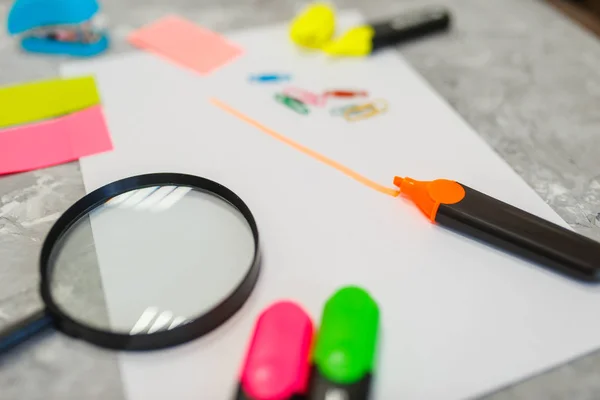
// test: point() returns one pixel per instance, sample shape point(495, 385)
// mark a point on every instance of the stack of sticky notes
point(50, 122)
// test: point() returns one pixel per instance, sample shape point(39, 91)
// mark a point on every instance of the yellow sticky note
point(35, 101)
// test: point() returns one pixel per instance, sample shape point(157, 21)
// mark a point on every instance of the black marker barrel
point(365, 39)
point(472, 213)
point(409, 26)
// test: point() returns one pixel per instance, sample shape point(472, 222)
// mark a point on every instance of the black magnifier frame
point(197, 327)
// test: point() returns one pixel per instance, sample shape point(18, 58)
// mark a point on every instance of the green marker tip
point(347, 340)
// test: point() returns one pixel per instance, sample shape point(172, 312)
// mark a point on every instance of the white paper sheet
point(459, 319)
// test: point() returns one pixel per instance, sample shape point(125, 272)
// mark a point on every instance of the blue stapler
point(57, 27)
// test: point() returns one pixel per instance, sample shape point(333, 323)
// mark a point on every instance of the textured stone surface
point(522, 75)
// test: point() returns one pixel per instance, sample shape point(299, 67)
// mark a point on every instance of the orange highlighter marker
point(472, 213)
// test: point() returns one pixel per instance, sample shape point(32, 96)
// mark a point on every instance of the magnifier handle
point(24, 329)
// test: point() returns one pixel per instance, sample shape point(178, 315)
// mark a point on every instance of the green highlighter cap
point(346, 343)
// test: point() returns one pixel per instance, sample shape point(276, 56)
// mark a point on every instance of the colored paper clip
point(305, 96)
point(365, 111)
point(346, 93)
point(339, 111)
point(292, 103)
point(270, 78)
point(57, 27)
point(277, 364)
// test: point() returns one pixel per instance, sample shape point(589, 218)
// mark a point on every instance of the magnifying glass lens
point(150, 260)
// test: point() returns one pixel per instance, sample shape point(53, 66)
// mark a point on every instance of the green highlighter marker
point(344, 353)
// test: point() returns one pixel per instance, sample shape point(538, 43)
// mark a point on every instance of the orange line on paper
point(303, 149)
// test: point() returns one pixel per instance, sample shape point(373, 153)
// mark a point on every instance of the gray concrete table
point(526, 78)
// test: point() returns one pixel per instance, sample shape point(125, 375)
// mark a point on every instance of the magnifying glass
point(146, 262)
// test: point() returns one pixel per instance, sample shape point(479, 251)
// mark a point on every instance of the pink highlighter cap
point(277, 364)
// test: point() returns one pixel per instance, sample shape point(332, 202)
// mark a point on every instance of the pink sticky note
point(185, 43)
point(53, 142)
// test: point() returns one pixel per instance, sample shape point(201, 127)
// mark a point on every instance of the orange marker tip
point(398, 181)
point(428, 195)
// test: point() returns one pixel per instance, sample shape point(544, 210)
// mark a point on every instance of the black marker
point(472, 213)
point(365, 39)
